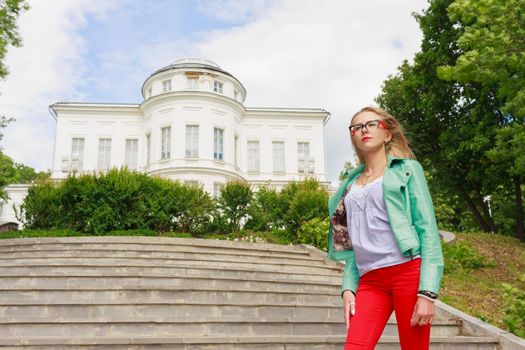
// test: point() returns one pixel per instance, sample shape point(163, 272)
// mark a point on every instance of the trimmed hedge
point(123, 200)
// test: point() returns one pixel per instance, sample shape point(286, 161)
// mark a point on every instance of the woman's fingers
point(423, 312)
point(415, 317)
point(347, 319)
point(348, 307)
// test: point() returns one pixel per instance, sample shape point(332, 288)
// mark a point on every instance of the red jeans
point(380, 291)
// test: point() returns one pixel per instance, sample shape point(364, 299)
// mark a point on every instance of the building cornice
point(184, 96)
point(94, 107)
point(202, 170)
point(274, 112)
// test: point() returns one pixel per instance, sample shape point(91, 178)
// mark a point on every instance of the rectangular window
point(165, 152)
point(217, 86)
point(149, 92)
point(77, 154)
point(278, 157)
point(236, 149)
point(104, 153)
point(253, 156)
point(303, 154)
point(192, 141)
point(193, 83)
point(132, 153)
point(235, 95)
point(166, 85)
point(148, 149)
point(218, 143)
point(217, 187)
point(303, 150)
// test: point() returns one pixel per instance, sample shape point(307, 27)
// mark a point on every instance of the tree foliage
point(9, 36)
point(13, 173)
point(493, 45)
point(266, 210)
point(234, 202)
point(451, 125)
point(117, 200)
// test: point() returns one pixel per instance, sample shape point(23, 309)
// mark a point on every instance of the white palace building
point(193, 127)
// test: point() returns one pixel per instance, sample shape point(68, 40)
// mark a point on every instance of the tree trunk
point(485, 208)
point(519, 207)
point(472, 207)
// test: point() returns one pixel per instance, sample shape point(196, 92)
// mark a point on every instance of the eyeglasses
point(370, 126)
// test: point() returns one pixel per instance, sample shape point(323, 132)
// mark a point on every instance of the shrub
point(514, 299)
point(117, 200)
point(195, 211)
point(315, 232)
point(98, 203)
point(460, 256)
point(42, 207)
point(305, 200)
point(265, 211)
point(234, 201)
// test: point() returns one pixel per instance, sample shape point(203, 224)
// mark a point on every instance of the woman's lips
point(366, 138)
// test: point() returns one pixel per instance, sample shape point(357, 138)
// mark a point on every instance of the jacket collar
point(359, 169)
point(392, 159)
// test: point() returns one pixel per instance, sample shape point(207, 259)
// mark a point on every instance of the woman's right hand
point(348, 306)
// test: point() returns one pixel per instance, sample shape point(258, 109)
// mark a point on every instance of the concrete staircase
point(165, 293)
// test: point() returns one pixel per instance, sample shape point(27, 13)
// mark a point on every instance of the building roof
point(193, 63)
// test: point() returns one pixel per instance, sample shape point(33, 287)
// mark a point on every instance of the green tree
point(450, 126)
point(301, 202)
point(234, 202)
point(494, 55)
point(10, 10)
point(7, 172)
point(266, 210)
point(509, 153)
point(493, 48)
point(12, 173)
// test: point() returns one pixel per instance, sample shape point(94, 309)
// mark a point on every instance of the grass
point(71, 233)
point(476, 265)
point(478, 291)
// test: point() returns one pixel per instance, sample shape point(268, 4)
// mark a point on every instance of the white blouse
point(370, 232)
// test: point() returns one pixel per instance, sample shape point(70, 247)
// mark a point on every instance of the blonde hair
point(398, 145)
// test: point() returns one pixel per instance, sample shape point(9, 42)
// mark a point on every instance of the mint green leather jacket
point(411, 216)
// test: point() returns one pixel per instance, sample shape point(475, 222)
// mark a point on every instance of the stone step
point(119, 295)
point(115, 247)
point(182, 311)
point(221, 342)
point(161, 283)
point(162, 255)
point(235, 325)
point(190, 243)
point(144, 269)
point(248, 301)
point(255, 266)
point(166, 293)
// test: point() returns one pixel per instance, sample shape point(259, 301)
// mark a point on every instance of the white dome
point(196, 61)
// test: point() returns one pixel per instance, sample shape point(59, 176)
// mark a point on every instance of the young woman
point(383, 225)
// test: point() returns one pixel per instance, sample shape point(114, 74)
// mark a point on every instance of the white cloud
point(235, 10)
point(332, 54)
point(48, 67)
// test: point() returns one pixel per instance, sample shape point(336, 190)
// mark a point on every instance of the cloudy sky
point(330, 54)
